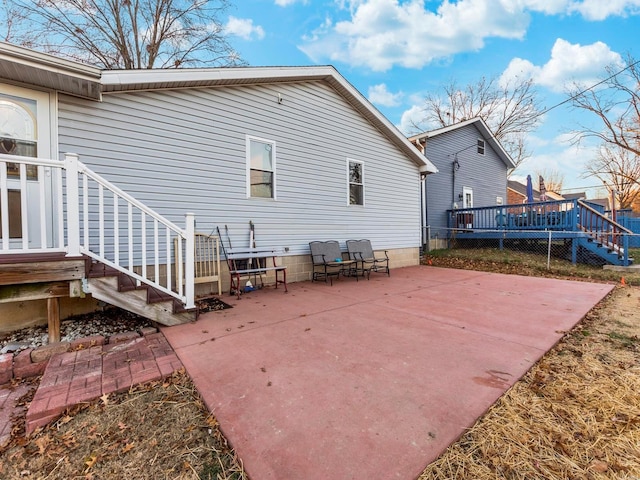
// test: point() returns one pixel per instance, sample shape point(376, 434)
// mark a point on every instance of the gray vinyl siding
point(485, 174)
point(183, 151)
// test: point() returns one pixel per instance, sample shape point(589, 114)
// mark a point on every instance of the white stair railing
point(28, 205)
point(80, 213)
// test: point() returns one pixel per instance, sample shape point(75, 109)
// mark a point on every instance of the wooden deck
point(41, 276)
point(573, 221)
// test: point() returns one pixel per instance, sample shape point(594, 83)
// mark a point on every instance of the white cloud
point(381, 34)
point(244, 28)
point(384, 33)
point(379, 95)
point(286, 3)
point(569, 63)
point(410, 118)
point(569, 160)
point(601, 9)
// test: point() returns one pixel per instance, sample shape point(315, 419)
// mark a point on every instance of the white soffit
point(28, 67)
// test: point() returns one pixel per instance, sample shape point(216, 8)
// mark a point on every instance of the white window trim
point(47, 119)
point(349, 204)
point(484, 146)
point(248, 164)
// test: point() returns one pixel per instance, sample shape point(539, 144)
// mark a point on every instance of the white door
point(25, 131)
point(467, 197)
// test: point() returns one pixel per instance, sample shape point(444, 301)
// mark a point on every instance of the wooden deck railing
point(557, 215)
point(63, 206)
point(602, 228)
point(552, 215)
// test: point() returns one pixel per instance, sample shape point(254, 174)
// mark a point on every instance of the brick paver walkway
point(75, 377)
point(9, 397)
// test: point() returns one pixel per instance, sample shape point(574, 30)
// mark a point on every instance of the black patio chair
point(327, 261)
point(362, 252)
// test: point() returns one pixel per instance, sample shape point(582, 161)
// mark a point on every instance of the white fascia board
point(48, 62)
point(48, 71)
point(126, 78)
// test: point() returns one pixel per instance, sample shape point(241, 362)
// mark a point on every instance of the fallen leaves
point(42, 443)
point(599, 466)
point(156, 430)
point(90, 461)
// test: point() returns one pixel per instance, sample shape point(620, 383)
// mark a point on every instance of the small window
point(356, 182)
point(261, 168)
point(481, 146)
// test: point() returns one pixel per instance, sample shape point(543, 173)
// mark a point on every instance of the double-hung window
point(261, 168)
point(355, 179)
point(481, 146)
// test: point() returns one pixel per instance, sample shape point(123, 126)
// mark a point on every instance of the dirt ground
point(575, 415)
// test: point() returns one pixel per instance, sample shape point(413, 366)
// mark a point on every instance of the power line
point(576, 95)
point(602, 185)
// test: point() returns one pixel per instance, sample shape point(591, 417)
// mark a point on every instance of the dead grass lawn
point(160, 430)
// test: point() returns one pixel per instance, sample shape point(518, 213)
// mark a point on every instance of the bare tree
point(131, 34)
point(511, 110)
point(619, 170)
point(616, 103)
point(13, 17)
point(553, 179)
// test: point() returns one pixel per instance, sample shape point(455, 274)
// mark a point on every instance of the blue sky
point(396, 51)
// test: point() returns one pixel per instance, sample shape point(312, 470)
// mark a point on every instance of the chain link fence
point(550, 245)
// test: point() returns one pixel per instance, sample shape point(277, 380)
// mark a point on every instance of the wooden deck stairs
point(609, 252)
point(99, 240)
point(116, 288)
point(602, 235)
point(51, 276)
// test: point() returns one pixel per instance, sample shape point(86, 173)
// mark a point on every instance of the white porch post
point(73, 205)
point(189, 267)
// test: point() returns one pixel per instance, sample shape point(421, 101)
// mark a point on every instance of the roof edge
point(51, 62)
point(56, 73)
point(481, 125)
point(90, 82)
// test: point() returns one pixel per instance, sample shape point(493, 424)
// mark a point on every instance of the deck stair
point(94, 239)
point(610, 253)
point(116, 288)
point(602, 236)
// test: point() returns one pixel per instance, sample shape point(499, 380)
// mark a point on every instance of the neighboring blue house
point(472, 172)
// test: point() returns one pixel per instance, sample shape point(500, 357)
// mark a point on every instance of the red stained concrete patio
point(370, 379)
